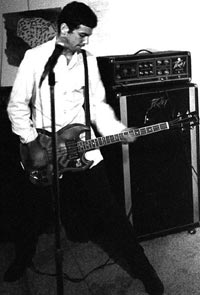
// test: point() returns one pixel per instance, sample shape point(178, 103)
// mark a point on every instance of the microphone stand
point(56, 192)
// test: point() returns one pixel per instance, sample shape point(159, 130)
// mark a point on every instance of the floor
point(176, 257)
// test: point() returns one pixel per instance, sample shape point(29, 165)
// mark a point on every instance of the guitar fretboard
point(95, 143)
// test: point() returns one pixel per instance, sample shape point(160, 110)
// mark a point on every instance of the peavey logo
point(179, 64)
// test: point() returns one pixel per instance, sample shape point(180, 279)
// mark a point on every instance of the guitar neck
point(91, 144)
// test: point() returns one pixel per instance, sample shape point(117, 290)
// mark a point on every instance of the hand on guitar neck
point(128, 137)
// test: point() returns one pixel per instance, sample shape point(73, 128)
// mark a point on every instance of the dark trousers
point(90, 212)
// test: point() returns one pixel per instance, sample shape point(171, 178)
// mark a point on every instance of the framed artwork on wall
point(22, 31)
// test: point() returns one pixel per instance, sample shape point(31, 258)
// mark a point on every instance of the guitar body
point(69, 157)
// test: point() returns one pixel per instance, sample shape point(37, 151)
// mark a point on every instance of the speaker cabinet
point(156, 177)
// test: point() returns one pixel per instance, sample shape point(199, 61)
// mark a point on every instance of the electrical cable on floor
point(73, 279)
point(67, 277)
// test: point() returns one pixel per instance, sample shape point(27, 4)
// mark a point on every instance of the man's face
point(77, 38)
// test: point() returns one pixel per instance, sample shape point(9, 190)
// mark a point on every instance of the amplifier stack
point(155, 178)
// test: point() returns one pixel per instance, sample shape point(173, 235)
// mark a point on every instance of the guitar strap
point(86, 95)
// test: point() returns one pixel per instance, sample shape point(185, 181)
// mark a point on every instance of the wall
point(126, 27)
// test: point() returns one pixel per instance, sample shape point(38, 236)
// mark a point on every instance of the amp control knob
point(159, 73)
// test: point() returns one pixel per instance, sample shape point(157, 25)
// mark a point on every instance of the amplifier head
point(145, 68)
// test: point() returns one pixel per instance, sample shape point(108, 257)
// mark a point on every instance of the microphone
point(51, 62)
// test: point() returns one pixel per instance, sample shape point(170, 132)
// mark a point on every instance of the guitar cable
point(73, 279)
point(67, 277)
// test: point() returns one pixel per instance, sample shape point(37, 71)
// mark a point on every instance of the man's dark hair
point(75, 14)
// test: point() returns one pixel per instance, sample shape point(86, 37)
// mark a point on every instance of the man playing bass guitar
point(89, 211)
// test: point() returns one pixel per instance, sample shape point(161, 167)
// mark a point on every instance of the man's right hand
point(38, 154)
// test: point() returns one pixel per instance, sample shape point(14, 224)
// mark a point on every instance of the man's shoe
point(152, 282)
point(15, 271)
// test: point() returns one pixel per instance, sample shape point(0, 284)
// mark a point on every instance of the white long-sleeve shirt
point(69, 97)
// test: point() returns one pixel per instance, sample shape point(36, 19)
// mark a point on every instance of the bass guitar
point(71, 150)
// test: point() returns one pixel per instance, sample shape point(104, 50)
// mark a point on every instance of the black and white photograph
point(99, 154)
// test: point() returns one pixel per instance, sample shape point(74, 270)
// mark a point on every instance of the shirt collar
point(76, 58)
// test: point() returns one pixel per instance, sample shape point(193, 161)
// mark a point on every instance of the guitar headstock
point(189, 119)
